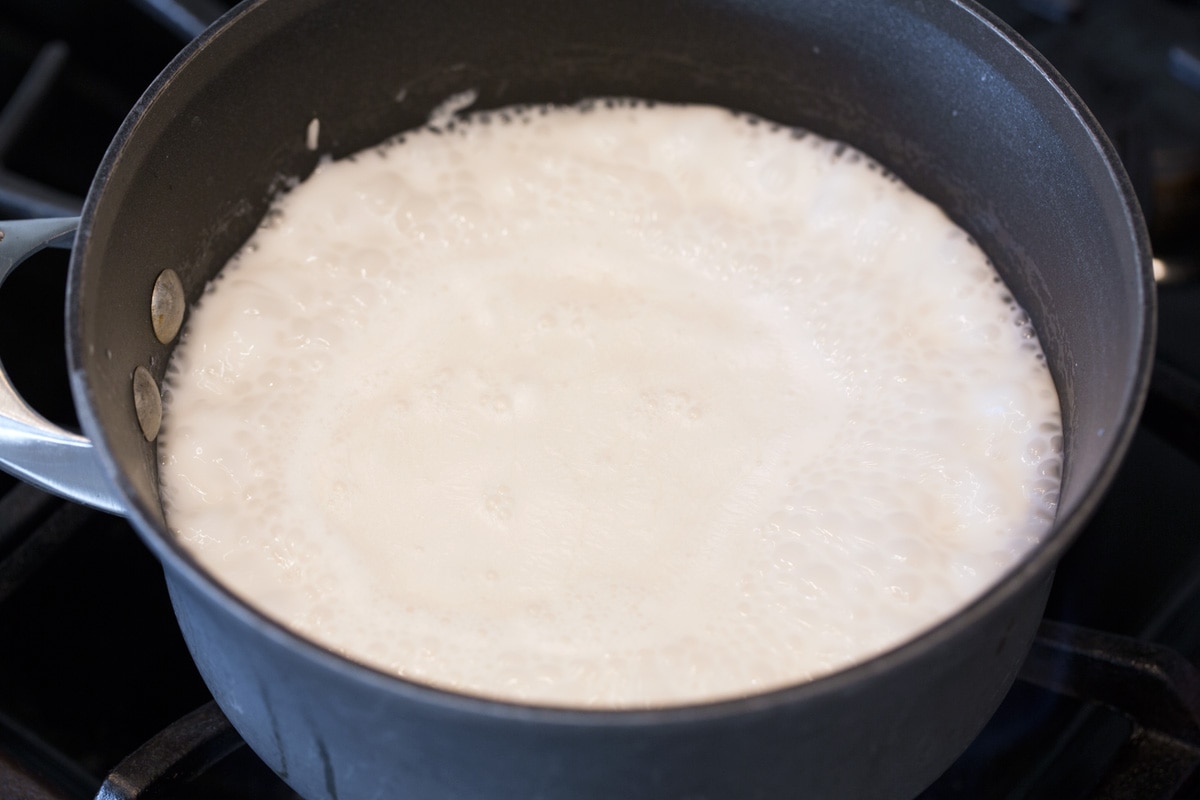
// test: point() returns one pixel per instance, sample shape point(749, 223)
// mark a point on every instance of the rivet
point(147, 402)
point(167, 305)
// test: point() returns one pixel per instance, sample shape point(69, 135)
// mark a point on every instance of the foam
point(616, 405)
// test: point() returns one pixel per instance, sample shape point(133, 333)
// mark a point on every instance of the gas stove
point(99, 698)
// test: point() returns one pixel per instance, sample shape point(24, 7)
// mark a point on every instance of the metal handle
point(31, 447)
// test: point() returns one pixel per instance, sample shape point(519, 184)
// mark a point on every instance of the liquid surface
point(611, 406)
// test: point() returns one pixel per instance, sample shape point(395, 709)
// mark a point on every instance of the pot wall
point(338, 731)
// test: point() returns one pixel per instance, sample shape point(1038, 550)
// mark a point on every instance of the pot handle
point(31, 447)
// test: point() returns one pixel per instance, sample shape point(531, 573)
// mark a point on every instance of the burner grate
point(19, 195)
point(199, 756)
point(1154, 686)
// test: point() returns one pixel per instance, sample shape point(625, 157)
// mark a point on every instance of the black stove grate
point(98, 694)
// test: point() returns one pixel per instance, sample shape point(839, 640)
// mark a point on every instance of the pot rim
point(1040, 561)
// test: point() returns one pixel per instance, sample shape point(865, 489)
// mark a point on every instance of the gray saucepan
point(938, 91)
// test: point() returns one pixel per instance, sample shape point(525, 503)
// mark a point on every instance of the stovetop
point(98, 696)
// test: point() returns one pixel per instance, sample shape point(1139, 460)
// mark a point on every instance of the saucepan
point(939, 91)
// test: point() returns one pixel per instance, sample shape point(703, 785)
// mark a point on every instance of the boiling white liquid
point(622, 407)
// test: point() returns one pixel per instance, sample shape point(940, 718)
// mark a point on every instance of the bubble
point(907, 587)
point(500, 504)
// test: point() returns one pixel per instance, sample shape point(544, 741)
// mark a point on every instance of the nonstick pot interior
point(934, 95)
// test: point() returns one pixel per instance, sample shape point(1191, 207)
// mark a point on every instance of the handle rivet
point(147, 402)
point(167, 305)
